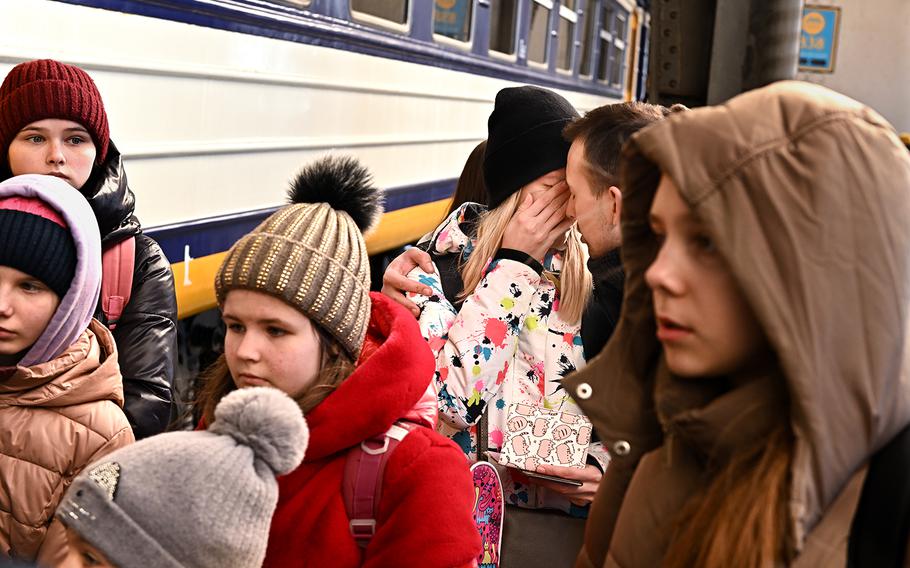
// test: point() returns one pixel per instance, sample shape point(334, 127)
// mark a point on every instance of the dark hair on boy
point(605, 129)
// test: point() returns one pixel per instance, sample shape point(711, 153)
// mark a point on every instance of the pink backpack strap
point(117, 264)
point(362, 483)
point(426, 411)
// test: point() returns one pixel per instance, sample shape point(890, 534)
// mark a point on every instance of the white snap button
point(584, 391)
point(622, 448)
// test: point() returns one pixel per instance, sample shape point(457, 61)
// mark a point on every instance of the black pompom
point(344, 184)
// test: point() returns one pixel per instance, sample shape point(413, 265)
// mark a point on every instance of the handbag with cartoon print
point(540, 436)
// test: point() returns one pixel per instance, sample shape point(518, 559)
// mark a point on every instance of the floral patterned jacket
point(506, 344)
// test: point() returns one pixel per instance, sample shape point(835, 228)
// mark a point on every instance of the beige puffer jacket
point(55, 418)
point(806, 194)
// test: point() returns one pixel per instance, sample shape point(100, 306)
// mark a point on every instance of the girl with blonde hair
point(503, 309)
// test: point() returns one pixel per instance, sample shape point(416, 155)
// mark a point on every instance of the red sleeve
point(425, 516)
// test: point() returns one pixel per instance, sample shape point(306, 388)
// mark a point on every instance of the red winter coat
point(424, 515)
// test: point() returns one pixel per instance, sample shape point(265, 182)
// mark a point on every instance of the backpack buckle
point(375, 451)
point(362, 529)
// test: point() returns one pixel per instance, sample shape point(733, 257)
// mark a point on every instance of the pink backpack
point(117, 264)
point(361, 486)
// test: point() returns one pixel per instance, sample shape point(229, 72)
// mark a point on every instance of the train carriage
point(215, 103)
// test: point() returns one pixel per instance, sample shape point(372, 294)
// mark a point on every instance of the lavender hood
point(76, 308)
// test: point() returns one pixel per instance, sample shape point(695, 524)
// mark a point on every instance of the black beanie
point(524, 139)
point(33, 240)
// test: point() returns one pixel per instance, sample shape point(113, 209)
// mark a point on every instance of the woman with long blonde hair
point(503, 309)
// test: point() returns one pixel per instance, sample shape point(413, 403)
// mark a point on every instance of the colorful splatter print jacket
point(507, 343)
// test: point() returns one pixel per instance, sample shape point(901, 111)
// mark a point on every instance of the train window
point(539, 32)
point(393, 11)
point(618, 58)
point(568, 18)
point(619, 28)
point(503, 14)
point(452, 19)
point(612, 36)
point(603, 66)
point(605, 38)
point(588, 41)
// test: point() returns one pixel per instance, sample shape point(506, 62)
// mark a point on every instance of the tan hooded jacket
point(807, 195)
point(55, 418)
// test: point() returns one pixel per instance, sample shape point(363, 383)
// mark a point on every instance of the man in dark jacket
point(592, 173)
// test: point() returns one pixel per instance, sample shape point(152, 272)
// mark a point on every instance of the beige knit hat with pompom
point(311, 254)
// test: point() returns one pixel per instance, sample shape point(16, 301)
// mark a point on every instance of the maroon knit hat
point(44, 88)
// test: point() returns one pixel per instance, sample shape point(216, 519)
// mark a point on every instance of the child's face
point(82, 554)
point(56, 147)
point(703, 321)
point(26, 307)
point(269, 343)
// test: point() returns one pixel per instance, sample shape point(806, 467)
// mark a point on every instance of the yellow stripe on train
point(194, 280)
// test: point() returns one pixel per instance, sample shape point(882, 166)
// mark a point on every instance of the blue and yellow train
point(216, 103)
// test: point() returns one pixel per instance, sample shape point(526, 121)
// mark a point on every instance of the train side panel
point(212, 123)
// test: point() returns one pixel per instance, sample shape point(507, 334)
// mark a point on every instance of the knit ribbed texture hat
point(193, 499)
point(44, 88)
point(524, 139)
point(83, 284)
point(312, 254)
point(34, 239)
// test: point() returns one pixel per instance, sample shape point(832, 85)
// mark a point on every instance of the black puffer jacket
point(602, 314)
point(146, 334)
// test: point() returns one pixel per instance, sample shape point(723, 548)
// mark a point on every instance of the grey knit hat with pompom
point(192, 499)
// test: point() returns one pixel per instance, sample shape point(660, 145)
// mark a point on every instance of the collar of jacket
point(394, 371)
point(112, 200)
point(607, 270)
point(714, 418)
point(86, 372)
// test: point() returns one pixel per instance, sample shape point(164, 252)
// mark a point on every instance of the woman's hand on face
point(589, 475)
point(539, 220)
point(395, 281)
